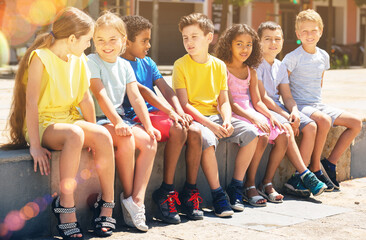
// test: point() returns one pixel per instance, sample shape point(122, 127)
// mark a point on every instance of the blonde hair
point(70, 21)
point(308, 15)
point(109, 19)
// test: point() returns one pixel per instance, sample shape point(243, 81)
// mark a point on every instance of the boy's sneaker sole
point(321, 191)
point(289, 189)
point(225, 213)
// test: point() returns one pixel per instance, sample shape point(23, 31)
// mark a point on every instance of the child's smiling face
point(271, 42)
point(309, 33)
point(109, 43)
point(241, 47)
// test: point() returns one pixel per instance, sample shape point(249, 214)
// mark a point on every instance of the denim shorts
point(102, 120)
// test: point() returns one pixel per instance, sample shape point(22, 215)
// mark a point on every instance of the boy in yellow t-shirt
point(200, 82)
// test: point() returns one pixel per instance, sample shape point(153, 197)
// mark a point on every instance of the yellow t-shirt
point(203, 82)
point(63, 86)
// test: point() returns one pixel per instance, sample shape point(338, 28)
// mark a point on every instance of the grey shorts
point(279, 117)
point(309, 109)
point(304, 120)
point(243, 133)
point(103, 120)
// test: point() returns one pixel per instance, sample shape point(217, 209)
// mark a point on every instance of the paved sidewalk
point(336, 215)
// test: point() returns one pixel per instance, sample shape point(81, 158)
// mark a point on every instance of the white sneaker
point(137, 214)
point(126, 215)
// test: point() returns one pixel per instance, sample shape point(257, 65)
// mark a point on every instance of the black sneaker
point(324, 179)
point(295, 186)
point(332, 175)
point(235, 198)
point(166, 204)
point(191, 204)
point(221, 205)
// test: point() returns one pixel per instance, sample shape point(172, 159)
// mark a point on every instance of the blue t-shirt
point(272, 76)
point(146, 73)
point(114, 76)
point(306, 74)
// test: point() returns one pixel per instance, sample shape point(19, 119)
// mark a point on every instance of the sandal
point(253, 200)
point(100, 222)
point(272, 196)
point(65, 229)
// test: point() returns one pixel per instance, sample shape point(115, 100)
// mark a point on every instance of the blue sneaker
point(315, 186)
point(221, 205)
point(235, 198)
point(331, 174)
point(295, 186)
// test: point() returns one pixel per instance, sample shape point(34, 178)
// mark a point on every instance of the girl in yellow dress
point(51, 84)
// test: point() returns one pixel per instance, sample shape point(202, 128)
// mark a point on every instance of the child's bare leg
point(307, 142)
point(99, 139)
point(177, 138)
point(210, 168)
point(275, 157)
point(69, 139)
point(293, 152)
point(259, 149)
point(144, 163)
point(354, 126)
point(323, 123)
point(125, 159)
point(193, 153)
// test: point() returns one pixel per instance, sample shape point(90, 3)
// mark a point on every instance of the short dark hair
point(268, 25)
point(203, 22)
point(135, 25)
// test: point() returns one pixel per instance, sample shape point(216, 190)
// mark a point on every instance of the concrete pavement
point(335, 215)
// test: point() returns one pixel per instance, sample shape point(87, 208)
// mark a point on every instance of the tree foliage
point(360, 2)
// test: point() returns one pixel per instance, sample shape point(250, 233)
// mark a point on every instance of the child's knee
point(75, 135)
point(324, 122)
point(263, 140)
point(194, 135)
point(124, 144)
point(310, 129)
point(177, 131)
point(357, 124)
point(102, 136)
point(282, 141)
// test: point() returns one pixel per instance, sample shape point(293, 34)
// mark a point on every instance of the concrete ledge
point(20, 186)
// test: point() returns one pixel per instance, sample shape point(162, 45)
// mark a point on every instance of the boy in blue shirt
point(176, 127)
point(306, 66)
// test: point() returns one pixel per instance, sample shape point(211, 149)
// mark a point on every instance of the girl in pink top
point(239, 48)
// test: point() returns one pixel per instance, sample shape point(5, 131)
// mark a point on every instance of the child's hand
point(294, 120)
point(41, 157)
point(263, 126)
point(178, 119)
point(228, 127)
point(188, 118)
point(154, 133)
point(219, 131)
point(122, 129)
point(296, 130)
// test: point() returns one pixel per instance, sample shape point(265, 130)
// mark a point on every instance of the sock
point(318, 173)
point(216, 192)
point(331, 165)
point(302, 175)
point(167, 187)
point(236, 183)
point(190, 186)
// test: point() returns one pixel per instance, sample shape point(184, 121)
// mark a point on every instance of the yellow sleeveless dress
point(63, 86)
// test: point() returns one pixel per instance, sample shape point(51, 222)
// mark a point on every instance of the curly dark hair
point(223, 46)
point(135, 25)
